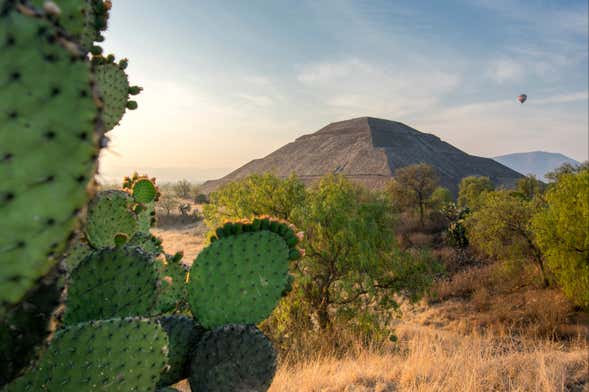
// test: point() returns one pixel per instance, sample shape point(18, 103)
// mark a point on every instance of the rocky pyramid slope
point(368, 151)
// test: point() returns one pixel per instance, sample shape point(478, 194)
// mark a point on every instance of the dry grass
point(187, 238)
point(432, 360)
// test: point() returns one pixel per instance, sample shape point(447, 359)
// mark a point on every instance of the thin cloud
point(563, 98)
point(505, 70)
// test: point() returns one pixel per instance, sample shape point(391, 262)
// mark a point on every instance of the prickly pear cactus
point(113, 85)
point(183, 335)
point(112, 282)
point(107, 355)
point(233, 358)
point(149, 243)
point(145, 194)
point(144, 191)
point(238, 278)
point(172, 295)
point(75, 254)
point(110, 213)
point(48, 146)
point(82, 19)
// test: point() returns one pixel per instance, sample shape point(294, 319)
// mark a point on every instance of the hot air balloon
point(522, 98)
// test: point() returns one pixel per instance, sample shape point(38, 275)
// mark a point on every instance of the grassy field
point(429, 359)
point(478, 334)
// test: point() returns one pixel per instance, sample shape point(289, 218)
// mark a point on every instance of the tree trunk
point(421, 212)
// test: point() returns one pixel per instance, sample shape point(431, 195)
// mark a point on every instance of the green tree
point(259, 194)
point(413, 186)
point(349, 252)
point(501, 228)
point(440, 197)
point(562, 231)
point(472, 189)
point(566, 168)
point(529, 187)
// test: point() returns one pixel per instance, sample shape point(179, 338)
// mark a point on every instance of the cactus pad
point(109, 214)
point(145, 217)
point(183, 336)
point(112, 282)
point(144, 191)
point(173, 284)
point(238, 279)
point(75, 254)
point(113, 84)
point(106, 355)
point(82, 19)
point(48, 147)
point(233, 358)
point(149, 243)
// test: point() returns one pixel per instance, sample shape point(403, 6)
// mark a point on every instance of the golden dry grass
point(433, 360)
point(187, 238)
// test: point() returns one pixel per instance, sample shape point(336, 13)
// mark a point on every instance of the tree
point(472, 189)
point(562, 232)
point(255, 195)
point(349, 252)
point(413, 186)
point(529, 187)
point(501, 228)
point(183, 189)
point(168, 203)
point(566, 168)
point(440, 197)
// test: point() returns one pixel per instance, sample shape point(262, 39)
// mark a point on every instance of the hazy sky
point(229, 81)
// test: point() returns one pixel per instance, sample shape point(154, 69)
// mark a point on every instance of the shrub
point(562, 232)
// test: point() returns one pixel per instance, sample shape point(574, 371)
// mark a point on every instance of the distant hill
point(368, 151)
point(536, 162)
point(196, 175)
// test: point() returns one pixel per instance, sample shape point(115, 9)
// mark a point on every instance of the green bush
point(562, 232)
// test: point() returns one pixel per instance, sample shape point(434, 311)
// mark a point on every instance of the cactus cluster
point(234, 283)
point(88, 298)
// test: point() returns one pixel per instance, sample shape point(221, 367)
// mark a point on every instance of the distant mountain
point(195, 175)
point(368, 151)
point(537, 163)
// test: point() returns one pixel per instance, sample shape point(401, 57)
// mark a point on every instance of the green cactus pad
point(233, 358)
point(75, 254)
point(112, 282)
point(238, 279)
point(146, 217)
point(109, 214)
point(48, 148)
point(82, 19)
point(106, 355)
point(173, 285)
point(149, 243)
point(144, 191)
point(113, 84)
point(258, 224)
point(183, 336)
